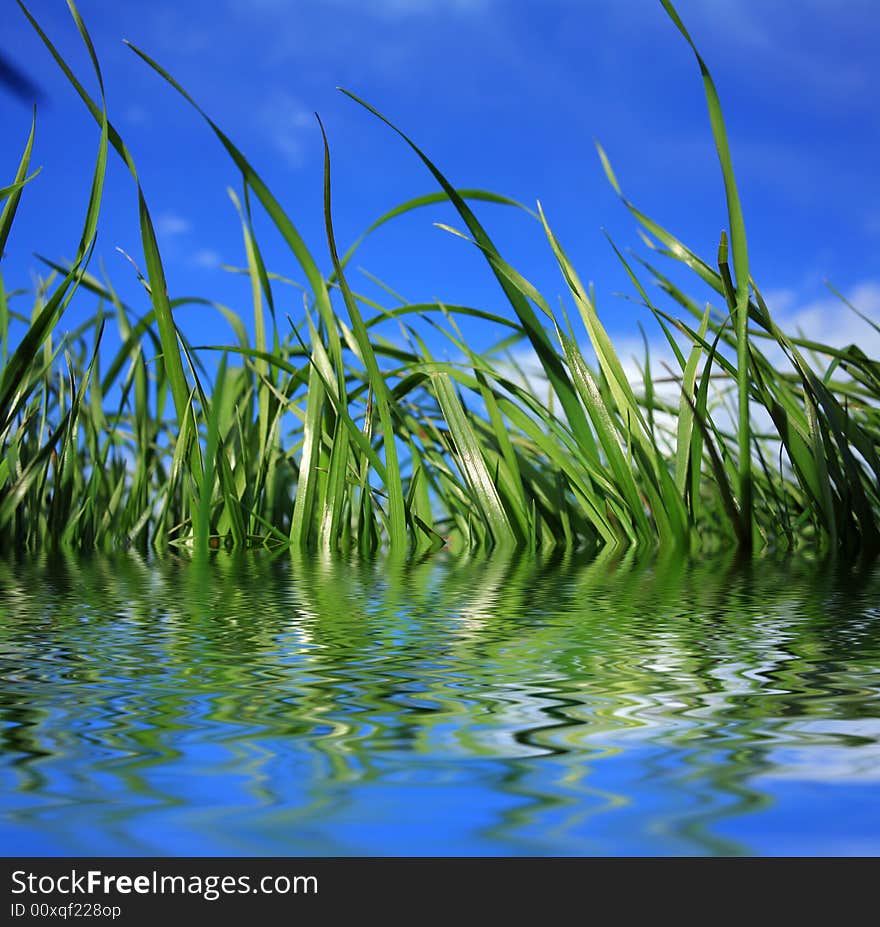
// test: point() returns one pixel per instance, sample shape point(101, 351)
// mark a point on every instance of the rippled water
point(500, 706)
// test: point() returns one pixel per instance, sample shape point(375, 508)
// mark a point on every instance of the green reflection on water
point(453, 705)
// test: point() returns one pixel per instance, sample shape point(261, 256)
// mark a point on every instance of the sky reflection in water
point(466, 707)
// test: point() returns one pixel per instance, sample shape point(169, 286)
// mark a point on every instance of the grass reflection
point(278, 704)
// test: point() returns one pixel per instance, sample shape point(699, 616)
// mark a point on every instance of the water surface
point(263, 706)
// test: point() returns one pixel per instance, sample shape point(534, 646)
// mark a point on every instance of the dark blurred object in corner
point(18, 83)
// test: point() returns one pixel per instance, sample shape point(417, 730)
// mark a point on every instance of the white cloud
point(830, 321)
point(827, 320)
point(170, 225)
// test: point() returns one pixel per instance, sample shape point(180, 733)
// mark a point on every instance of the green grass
point(322, 434)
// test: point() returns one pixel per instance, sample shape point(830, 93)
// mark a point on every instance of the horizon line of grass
point(324, 434)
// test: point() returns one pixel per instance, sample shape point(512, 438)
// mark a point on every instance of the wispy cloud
point(375, 8)
point(136, 116)
point(205, 258)
point(288, 125)
point(872, 223)
point(172, 225)
point(419, 7)
point(173, 27)
point(328, 38)
point(802, 55)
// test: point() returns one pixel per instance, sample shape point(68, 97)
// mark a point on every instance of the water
point(450, 707)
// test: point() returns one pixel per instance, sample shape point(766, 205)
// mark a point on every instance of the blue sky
point(507, 95)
